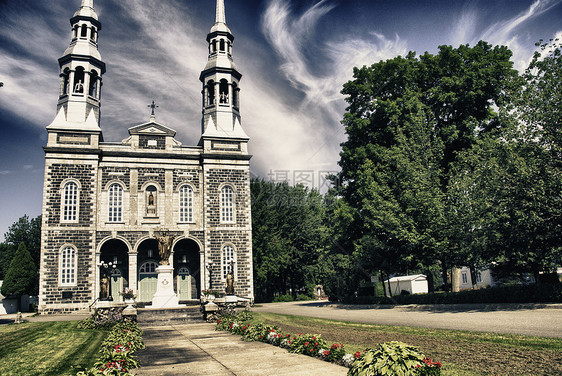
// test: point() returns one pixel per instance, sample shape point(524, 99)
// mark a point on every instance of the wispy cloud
point(505, 31)
point(316, 131)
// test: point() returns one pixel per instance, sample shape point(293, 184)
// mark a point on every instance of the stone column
point(133, 276)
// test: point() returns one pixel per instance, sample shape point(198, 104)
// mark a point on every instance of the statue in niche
point(230, 280)
point(150, 199)
point(230, 283)
point(104, 286)
point(165, 247)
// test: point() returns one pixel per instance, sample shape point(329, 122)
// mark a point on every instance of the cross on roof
point(153, 106)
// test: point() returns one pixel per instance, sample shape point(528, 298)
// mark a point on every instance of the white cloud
point(505, 32)
point(313, 131)
point(465, 27)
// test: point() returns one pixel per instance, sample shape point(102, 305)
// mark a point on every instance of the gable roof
point(152, 128)
point(405, 278)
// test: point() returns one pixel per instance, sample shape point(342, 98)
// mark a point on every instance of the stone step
point(167, 316)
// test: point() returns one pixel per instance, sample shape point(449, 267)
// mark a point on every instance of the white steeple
point(221, 80)
point(81, 70)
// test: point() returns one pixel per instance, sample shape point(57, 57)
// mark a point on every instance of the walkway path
point(197, 349)
point(544, 320)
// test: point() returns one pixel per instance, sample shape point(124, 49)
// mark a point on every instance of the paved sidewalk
point(197, 349)
point(31, 317)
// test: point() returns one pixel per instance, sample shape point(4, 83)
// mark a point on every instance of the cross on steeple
point(153, 106)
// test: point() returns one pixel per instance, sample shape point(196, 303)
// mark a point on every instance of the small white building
point(414, 284)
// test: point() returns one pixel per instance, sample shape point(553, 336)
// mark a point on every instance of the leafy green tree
point(407, 121)
point(21, 277)
point(508, 189)
point(23, 230)
point(288, 236)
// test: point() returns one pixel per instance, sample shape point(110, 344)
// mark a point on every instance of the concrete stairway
point(169, 316)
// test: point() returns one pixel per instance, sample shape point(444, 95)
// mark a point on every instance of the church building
point(105, 203)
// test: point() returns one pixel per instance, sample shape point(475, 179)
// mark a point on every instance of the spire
point(81, 70)
point(220, 19)
point(221, 84)
point(221, 14)
point(87, 10)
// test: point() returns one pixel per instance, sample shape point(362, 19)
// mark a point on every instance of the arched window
point(148, 267)
point(65, 81)
point(93, 34)
point(186, 204)
point(75, 32)
point(84, 32)
point(227, 260)
point(221, 45)
point(79, 80)
point(214, 44)
point(223, 88)
point(115, 206)
point(93, 90)
point(68, 266)
point(70, 202)
point(235, 95)
point(210, 93)
point(227, 204)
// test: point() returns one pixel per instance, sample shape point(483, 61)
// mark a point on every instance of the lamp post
point(105, 270)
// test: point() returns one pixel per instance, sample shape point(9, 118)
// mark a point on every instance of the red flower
point(357, 354)
point(326, 352)
point(306, 344)
point(311, 350)
point(314, 338)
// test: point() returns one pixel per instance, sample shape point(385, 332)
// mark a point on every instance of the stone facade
point(104, 203)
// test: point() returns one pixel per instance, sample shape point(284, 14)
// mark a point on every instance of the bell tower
point(81, 70)
point(221, 85)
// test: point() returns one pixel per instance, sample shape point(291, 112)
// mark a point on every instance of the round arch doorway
point(116, 253)
point(147, 261)
point(187, 270)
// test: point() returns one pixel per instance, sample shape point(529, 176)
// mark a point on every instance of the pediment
point(152, 128)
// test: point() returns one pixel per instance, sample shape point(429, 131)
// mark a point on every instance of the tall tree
point(28, 231)
point(407, 121)
point(22, 276)
point(288, 236)
point(509, 188)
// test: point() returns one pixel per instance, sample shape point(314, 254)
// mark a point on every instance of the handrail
point(90, 307)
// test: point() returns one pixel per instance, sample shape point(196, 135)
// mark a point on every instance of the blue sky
point(294, 55)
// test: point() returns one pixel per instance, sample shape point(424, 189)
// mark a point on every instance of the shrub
point(307, 344)
point(283, 298)
point(116, 351)
point(303, 297)
point(429, 368)
point(104, 319)
point(391, 358)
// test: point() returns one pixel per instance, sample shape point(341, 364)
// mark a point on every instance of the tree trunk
point(444, 276)
point(430, 284)
point(383, 286)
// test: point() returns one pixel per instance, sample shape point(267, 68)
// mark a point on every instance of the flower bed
point(392, 358)
point(117, 350)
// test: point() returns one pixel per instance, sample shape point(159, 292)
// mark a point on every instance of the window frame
point(189, 204)
point(68, 269)
point(65, 205)
point(115, 203)
point(226, 259)
point(231, 207)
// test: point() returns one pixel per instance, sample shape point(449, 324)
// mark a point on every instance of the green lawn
point(47, 348)
point(462, 353)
